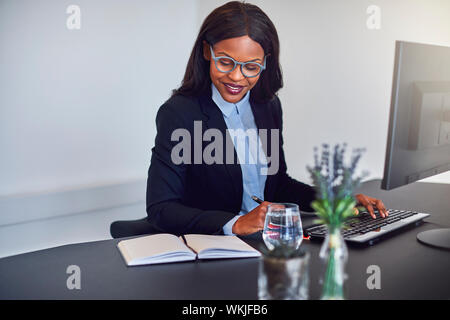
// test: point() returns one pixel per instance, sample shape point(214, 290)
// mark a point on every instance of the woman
point(230, 84)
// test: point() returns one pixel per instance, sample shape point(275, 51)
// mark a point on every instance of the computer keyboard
point(363, 229)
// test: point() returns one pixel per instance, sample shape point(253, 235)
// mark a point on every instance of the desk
point(409, 270)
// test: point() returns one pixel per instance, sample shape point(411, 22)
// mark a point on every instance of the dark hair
point(235, 19)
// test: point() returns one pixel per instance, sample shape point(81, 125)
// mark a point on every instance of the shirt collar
point(225, 106)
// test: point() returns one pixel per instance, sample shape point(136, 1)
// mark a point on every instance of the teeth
point(234, 88)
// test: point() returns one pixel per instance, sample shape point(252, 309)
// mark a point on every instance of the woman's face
point(233, 86)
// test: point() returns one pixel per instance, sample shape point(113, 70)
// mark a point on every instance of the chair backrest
point(121, 229)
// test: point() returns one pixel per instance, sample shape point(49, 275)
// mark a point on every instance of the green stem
point(328, 281)
point(332, 288)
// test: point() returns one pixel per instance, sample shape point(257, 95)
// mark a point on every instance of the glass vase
point(334, 255)
point(284, 278)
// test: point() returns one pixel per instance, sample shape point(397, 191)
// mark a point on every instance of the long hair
point(235, 19)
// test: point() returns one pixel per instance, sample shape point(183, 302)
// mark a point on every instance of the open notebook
point(165, 248)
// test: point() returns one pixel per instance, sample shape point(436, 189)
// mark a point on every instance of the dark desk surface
point(409, 270)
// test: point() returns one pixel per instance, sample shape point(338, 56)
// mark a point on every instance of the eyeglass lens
point(249, 69)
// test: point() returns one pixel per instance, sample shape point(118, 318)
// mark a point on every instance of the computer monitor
point(418, 144)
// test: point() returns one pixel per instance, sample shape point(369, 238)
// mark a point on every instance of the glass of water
point(282, 226)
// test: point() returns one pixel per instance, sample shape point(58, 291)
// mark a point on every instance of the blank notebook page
point(153, 245)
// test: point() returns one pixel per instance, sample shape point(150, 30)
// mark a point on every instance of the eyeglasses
point(227, 65)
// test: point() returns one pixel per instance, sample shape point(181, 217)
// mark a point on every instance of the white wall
point(77, 107)
point(338, 73)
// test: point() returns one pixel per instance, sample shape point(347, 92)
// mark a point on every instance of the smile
point(233, 89)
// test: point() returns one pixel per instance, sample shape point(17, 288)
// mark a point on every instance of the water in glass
point(282, 226)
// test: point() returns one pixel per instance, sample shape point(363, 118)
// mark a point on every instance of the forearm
point(176, 218)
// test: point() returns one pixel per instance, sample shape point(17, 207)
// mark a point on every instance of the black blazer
point(202, 198)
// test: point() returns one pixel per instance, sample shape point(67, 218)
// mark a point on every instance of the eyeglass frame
point(242, 64)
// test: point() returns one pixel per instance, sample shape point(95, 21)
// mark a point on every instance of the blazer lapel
point(264, 120)
point(261, 113)
point(215, 120)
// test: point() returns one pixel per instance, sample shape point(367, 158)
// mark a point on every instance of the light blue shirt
point(240, 116)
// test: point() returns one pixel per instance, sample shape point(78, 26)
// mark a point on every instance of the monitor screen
point(418, 143)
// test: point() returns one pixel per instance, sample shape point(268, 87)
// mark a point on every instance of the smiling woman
point(243, 32)
point(230, 85)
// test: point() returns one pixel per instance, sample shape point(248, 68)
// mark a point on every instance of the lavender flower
point(335, 183)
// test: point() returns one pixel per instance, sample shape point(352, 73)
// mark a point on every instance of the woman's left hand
point(370, 203)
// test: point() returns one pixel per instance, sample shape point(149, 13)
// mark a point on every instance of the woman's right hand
point(251, 222)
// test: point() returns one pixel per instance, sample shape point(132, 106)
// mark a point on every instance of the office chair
point(128, 228)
